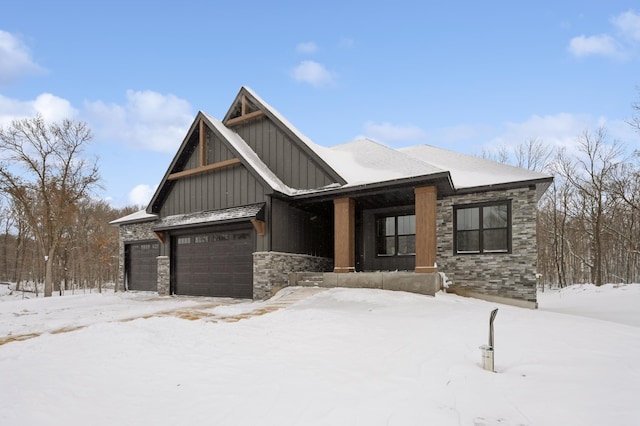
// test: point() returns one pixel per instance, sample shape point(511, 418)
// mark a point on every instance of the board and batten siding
point(217, 189)
point(288, 160)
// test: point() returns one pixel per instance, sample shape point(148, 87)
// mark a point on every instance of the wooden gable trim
point(202, 169)
point(244, 117)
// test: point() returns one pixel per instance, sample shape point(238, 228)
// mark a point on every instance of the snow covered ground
point(320, 357)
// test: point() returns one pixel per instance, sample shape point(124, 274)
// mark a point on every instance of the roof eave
point(441, 179)
point(541, 185)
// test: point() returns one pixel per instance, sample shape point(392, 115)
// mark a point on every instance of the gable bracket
point(260, 226)
point(202, 169)
point(243, 118)
point(161, 236)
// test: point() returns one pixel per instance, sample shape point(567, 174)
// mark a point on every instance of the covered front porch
point(394, 231)
point(383, 238)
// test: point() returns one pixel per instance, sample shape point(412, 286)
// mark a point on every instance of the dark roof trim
point(213, 217)
point(540, 184)
point(165, 183)
point(442, 180)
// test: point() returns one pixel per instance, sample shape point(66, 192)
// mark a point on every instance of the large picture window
point(396, 235)
point(483, 228)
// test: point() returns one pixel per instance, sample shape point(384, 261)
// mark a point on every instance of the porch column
point(344, 235)
point(426, 199)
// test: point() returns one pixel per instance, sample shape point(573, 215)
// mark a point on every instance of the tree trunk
point(48, 273)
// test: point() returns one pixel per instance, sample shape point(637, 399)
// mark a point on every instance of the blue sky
point(462, 75)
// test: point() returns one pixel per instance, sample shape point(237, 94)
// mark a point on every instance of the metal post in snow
point(487, 350)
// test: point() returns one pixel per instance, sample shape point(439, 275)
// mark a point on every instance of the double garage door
point(214, 263)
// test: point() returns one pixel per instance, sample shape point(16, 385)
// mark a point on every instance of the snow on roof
point(468, 171)
point(318, 149)
point(139, 216)
point(222, 215)
point(364, 161)
point(250, 156)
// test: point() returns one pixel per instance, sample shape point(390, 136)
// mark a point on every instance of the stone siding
point(271, 270)
point(509, 275)
point(164, 276)
point(130, 233)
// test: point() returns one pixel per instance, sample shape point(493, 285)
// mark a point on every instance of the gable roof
point(248, 156)
point(355, 164)
point(256, 103)
point(236, 144)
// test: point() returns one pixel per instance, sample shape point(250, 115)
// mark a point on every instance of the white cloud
point(141, 194)
point(148, 120)
point(313, 73)
point(629, 24)
point(621, 43)
point(15, 59)
point(50, 107)
point(308, 47)
point(602, 44)
point(392, 133)
point(559, 131)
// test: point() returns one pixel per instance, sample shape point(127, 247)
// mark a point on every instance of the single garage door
point(142, 267)
point(216, 264)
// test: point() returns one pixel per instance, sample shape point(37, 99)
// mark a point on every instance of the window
point(396, 235)
point(483, 228)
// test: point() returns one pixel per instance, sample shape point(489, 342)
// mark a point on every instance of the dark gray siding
point(218, 189)
point(216, 149)
point(366, 259)
point(298, 231)
point(282, 155)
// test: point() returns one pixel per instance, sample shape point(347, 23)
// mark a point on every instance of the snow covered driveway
point(333, 357)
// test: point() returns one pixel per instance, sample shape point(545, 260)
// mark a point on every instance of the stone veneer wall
point(164, 277)
point(271, 270)
point(503, 275)
point(130, 233)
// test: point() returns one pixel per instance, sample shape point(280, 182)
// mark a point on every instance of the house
point(249, 200)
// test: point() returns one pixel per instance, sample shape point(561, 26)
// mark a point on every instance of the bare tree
point(44, 173)
point(635, 120)
point(499, 154)
point(533, 154)
point(590, 174)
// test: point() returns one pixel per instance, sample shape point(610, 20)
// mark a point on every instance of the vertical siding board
point(211, 191)
point(286, 158)
point(237, 187)
point(252, 195)
point(280, 156)
point(273, 151)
